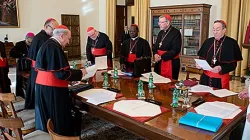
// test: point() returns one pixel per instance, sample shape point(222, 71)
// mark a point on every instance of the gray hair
point(162, 16)
point(60, 31)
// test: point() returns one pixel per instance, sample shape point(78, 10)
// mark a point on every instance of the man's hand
point(84, 72)
point(1, 58)
point(123, 67)
point(243, 94)
point(157, 57)
point(216, 69)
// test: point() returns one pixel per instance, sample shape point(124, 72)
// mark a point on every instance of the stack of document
point(156, 78)
point(223, 93)
point(101, 62)
point(200, 121)
point(97, 96)
point(91, 70)
point(201, 88)
point(137, 108)
point(222, 110)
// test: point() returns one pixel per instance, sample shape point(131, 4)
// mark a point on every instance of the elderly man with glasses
point(37, 42)
point(98, 44)
point(167, 49)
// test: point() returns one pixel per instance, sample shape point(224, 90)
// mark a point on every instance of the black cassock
point(227, 54)
point(101, 42)
point(37, 42)
point(4, 70)
point(169, 41)
point(52, 98)
point(140, 47)
point(20, 51)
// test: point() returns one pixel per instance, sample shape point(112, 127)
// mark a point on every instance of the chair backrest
point(9, 123)
point(55, 136)
point(194, 71)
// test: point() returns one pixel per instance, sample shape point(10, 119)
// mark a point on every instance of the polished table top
point(166, 125)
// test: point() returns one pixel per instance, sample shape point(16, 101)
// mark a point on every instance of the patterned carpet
point(94, 128)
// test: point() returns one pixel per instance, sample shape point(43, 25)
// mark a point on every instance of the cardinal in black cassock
point(222, 53)
point(37, 42)
point(133, 49)
point(52, 98)
point(4, 70)
point(98, 44)
point(20, 51)
point(167, 49)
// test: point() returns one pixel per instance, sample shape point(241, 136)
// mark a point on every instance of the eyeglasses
point(92, 35)
point(51, 27)
point(161, 22)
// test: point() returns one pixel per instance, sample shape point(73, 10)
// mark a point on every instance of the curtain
point(236, 13)
point(110, 20)
point(142, 17)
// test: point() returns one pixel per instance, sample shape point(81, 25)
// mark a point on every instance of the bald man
point(98, 44)
point(37, 42)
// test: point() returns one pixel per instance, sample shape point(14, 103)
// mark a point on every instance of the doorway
point(121, 21)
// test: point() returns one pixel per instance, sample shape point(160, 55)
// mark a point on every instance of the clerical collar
point(221, 38)
point(56, 40)
point(134, 38)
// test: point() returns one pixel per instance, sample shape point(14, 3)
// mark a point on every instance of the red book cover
point(247, 37)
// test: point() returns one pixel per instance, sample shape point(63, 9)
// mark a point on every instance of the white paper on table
point(112, 72)
point(101, 62)
point(188, 32)
point(97, 96)
point(222, 93)
point(217, 109)
point(137, 108)
point(156, 78)
point(235, 113)
point(201, 88)
point(203, 64)
point(91, 70)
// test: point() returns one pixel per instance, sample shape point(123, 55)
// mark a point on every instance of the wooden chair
point(27, 115)
point(193, 71)
point(13, 123)
point(55, 136)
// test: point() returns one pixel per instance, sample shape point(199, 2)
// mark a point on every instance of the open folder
point(200, 121)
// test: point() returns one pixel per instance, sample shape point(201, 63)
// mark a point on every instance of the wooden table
point(166, 125)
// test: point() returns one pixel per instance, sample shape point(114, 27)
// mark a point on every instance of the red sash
point(224, 78)
point(166, 66)
point(3, 63)
point(131, 57)
point(33, 64)
point(47, 78)
point(98, 51)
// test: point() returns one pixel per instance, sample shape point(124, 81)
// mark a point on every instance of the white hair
point(58, 32)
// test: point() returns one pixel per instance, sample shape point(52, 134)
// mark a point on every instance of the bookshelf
point(193, 23)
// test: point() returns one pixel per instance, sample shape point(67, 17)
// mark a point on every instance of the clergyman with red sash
point(52, 100)
point(167, 48)
point(98, 44)
point(4, 70)
point(222, 53)
point(133, 48)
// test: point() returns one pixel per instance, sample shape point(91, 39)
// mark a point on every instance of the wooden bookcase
point(193, 23)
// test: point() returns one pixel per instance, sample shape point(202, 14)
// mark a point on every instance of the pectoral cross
point(214, 60)
point(160, 44)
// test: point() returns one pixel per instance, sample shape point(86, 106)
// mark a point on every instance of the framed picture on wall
point(9, 13)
